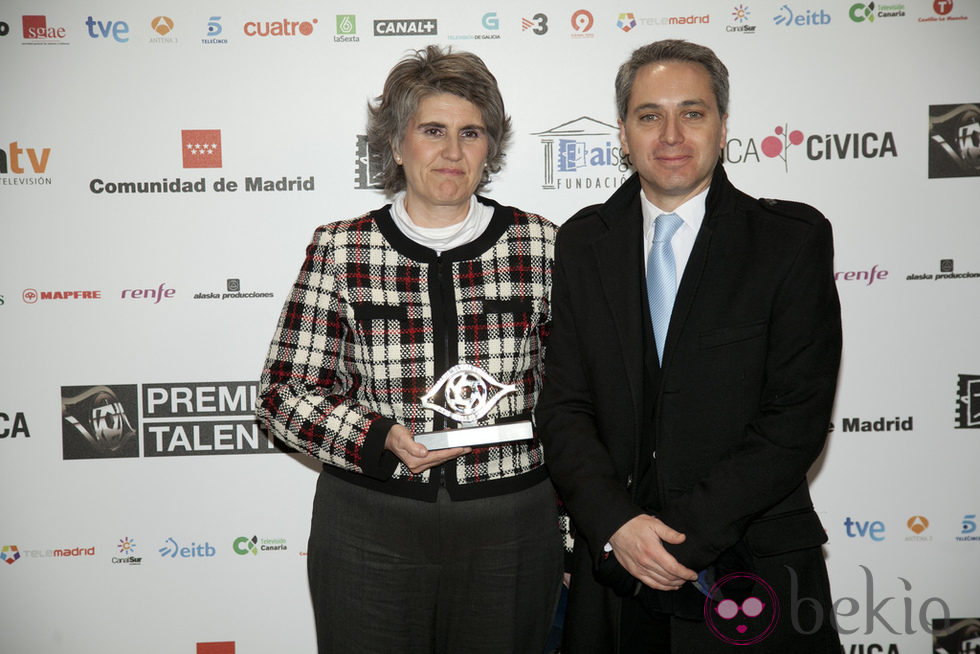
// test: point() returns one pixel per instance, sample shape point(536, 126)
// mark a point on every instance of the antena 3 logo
point(284, 27)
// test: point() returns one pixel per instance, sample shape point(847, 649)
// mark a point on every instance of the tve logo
point(857, 529)
point(119, 30)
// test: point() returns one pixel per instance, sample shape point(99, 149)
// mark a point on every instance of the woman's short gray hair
point(430, 72)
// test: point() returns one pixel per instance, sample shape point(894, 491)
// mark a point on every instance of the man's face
point(673, 131)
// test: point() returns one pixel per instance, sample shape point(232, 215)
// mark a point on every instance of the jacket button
point(629, 481)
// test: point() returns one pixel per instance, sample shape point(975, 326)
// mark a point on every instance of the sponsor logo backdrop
point(154, 158)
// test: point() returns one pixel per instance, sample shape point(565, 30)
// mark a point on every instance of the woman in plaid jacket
point(417, 550)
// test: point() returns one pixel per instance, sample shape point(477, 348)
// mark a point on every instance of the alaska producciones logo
point(750, 619)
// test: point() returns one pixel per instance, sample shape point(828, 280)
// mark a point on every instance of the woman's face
point(443, 153)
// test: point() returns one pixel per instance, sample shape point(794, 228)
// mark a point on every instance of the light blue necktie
point(662, 277)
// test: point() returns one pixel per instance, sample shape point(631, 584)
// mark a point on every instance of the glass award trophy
point(466, 393)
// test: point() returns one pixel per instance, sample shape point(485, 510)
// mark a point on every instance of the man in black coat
point(681, 451)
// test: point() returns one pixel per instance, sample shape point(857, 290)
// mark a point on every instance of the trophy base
point(475, 436)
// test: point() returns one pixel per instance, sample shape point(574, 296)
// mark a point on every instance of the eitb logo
point(968, 402)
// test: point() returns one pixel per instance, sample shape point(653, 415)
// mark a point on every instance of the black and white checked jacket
point(372, 322)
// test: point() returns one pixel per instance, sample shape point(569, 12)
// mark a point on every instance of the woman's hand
point(416, 456)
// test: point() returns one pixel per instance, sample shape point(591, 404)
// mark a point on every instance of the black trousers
point(390, 574)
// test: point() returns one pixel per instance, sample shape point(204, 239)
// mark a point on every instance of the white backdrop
point(194, 531)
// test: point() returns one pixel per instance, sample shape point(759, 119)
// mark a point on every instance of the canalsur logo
point(127, 553)
point(740, 21)
point(816, 147)
point(582, 154)
point(346, 29)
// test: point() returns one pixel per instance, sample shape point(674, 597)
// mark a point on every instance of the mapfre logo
point(284, 27)
point(201, 148)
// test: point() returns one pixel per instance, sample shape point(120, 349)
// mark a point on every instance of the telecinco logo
point(283, 27)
